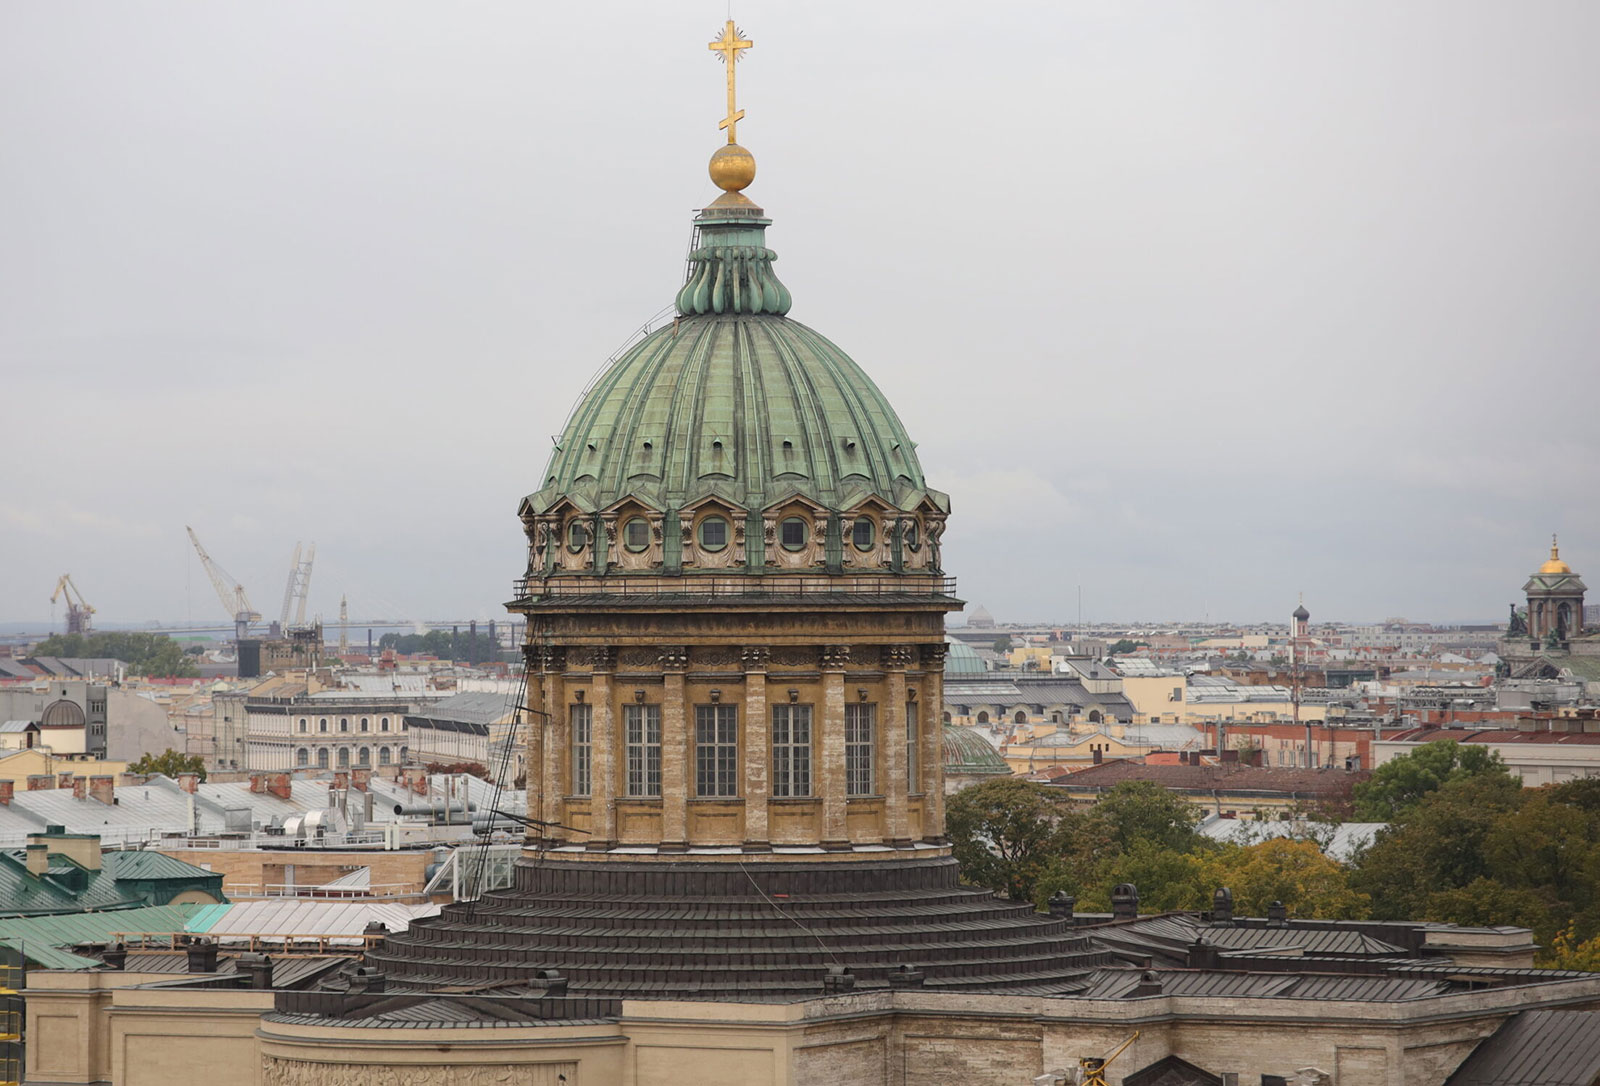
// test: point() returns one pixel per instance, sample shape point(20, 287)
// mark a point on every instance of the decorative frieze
point(673, 658)
point(835, 657)
point(755, 657)
point(898, 657)
point(793, 656)
point(933, 656)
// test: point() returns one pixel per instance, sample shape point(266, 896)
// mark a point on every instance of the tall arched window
point(383, 755)
point(344, 723)
point(303, 727)
point(364, 724)
point(365, 757)
point(1021, 717)
point(302, 757)
point(322, 723)
point(344, 757)
point(322, 758)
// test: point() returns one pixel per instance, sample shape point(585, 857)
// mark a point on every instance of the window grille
point(860, 726)
point(716, 750)
point(580, 721)
point(642, 723)
point(791, 750)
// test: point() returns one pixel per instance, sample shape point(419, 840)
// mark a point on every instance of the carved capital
point(603, 658)
point(835, 657)
point(545, 659)
point(898, 657)
point(674, 658)
point(755, 657)
point(933, 656)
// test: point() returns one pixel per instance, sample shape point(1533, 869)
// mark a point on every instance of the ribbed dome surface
point(754, 408)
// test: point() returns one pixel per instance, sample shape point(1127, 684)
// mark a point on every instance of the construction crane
point(1092, 1069)
point(229, 591)
point(299, 586)
point(79, 614)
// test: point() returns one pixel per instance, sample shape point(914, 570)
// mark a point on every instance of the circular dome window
point(577, 536)
point(862, 533)
point(792, 533)
point(713, 533)
point(636, 534)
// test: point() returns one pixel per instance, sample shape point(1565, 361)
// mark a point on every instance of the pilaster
point(933, 741)
point(606, 750)
point(757, 745)
point(896, 659)
point(557, 747)
point(835, 836)
point(674, 662)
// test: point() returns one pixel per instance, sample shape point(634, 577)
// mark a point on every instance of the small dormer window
point(636, 534)
point(792, 533)
point(713, 533)
point(862, 532)
point(577, 536)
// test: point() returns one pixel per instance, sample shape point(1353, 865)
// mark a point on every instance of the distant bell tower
point(1555, 600)
point(1300, 622)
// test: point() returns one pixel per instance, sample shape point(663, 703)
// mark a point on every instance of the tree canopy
point(150, 654)
point(444, 644)
point(1398, 785)
point(169, 763)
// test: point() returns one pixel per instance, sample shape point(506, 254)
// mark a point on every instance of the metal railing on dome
point(738, 585)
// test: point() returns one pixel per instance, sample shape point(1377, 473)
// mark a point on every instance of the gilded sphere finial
point(732, 168)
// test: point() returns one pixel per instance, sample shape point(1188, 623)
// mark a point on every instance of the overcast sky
point(1196, 306)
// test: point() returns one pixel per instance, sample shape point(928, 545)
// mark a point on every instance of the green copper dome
point(733, 400)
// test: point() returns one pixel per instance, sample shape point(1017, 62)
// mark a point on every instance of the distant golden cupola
point(1555, 564)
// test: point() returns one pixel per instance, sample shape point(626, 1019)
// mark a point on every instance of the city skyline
point(1300, 301)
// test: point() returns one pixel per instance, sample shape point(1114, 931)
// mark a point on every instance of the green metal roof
point(965, 751)
point(733, 400)
point(40, 938)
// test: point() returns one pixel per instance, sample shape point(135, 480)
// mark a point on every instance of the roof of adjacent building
point(1340, 841)
point(1493, 735)
point(1227, 777)
point(961, 660)
point(1536, 1048)
point(968, 753)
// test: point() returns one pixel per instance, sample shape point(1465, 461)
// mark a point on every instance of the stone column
point(896, 659)
point(674, 662)
point(831, 751)
point(756, 747)
point(932, 700)
point(538, 727)
point(557, 747)
point(607, 749)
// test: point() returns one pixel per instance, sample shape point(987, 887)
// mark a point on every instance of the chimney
point(360, 779)
point(258, 784)
point(257, 969)
point(341, 780)
point(1148, 985)
point(203, 956)
point(41, 782)
point(838, 978)
point(115, 957)
point(64, 779)
point(1222, 905)
point(80, 787)
point(1124, 901)
point(1277, 915)
point(1062, 905)
point(38, 859)
point(103, 788)
point(906, 976)
point(190, 782)
point(278, 785)
point(1202, 955)
point(8, 789)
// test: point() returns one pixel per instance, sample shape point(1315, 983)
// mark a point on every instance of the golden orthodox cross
point(729, 46)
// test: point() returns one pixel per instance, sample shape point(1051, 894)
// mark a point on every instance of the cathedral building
point(1549, 639)
point(735, 871)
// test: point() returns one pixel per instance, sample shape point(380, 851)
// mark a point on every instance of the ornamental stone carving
point(638, 659)
point(603, 658)
point(276, 1071)
point(794, 656)
point(898, 657)
point(933, 656)
point(755, 657)
point(835, 657)
point(716, 657)
point(673, 658)
point(545, 659)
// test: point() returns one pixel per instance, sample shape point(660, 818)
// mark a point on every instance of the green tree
point(1002, 645)
point(1293, 872)
point(1124, 646)
point(169, 763)
point(1006, 832)
point(150, 654)
point(1137, 811)
point(444, 644)
point(1437, 844)
point(1398, 785)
